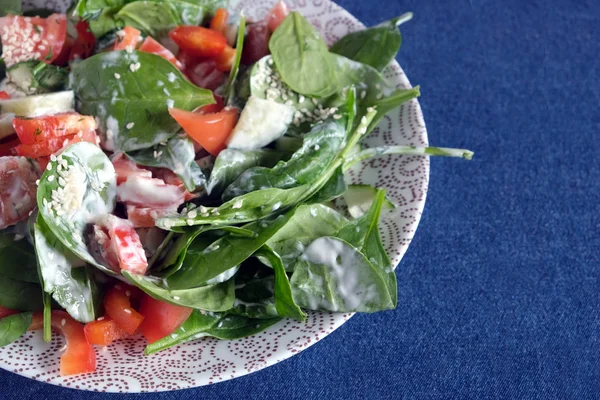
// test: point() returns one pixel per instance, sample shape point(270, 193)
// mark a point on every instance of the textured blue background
point(499, 291)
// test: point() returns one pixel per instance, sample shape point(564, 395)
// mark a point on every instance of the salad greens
point(243, 231)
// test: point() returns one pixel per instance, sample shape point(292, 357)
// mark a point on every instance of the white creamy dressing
point(149, 192)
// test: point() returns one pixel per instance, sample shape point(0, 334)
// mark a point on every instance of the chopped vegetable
point(160, 318)
point(118, 307)
point(199, 41)
point(128, 39)
point(103, 332)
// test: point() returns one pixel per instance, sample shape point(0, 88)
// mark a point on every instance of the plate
point(122, 367)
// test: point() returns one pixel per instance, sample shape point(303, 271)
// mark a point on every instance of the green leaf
point(334, 188)
point(79, 187)
point(319, 149)
point(19, 295)
point(284, 301)
point(18, 259)
point(203, 263)
point(13, 326)
point(230, 87)
point(255, 298)
point(133, 110)
point(177, 155)
point(332, 275)
point(157, 18)
point(219, 325)
point(376, 46)
point(216, 297)
point(10, 7)
point(47, 316)
point(70, 283)
point(308, 223)
point(231, 163)
point(363, 234)
point(302, 57)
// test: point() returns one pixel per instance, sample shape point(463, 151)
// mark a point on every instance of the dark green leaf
point(302, 57)
point(17, 259)
point(156, 18)
point(177, 155)
point(79, 187)
point(239, 47)
point(203, 262)
point(133, 110)
point(376, 46)
point(284, 301)
point(65, 276)
point(10, 7)
point(13, 326)
point(219, 325)
point(19, 295)
point(334, 188)
point(255, 298)
point(332, 275)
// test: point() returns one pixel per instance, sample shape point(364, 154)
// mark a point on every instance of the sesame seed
point(117, 75)
point(37, 182)
point(100, 319)
point(190, 222)
point(337, 116)
point(61, 181)
point(50, 178)
point(130, 125)
point(238, 204)
point(315, 101)
point(53, 158)
point(363, 120)
point(127, 310)
point(380, 96)
point(127, 293)
point(363, 94)
point(301, 99)
point(176, 297)
point(317, 147)
point(192, 214)
point(63, 322)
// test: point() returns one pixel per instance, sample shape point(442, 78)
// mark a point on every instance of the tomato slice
point(199, 41)
point(161, 318)
point(27, 38)
point(224, 62)
point(63, 58)
point(120, 245)
point(103, 332)
point(150, 192)
point(145, 217)
point(4, 95)
point(277, 14)
point(127, 38)
point(5, 312)
point(210, 130)
point(118, 307)
point(40, 129)
point(219, 21)
point(150, 45)
point(125, 168)
point(54, 145)
point(79, 356)
point(85, 42)
point(256, 45)
point(17, 190)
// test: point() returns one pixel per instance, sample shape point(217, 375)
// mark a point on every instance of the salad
point(171, 170)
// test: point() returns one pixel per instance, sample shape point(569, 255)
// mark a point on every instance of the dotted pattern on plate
point(123, 367)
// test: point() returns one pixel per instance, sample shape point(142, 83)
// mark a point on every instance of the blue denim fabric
point(500, 289)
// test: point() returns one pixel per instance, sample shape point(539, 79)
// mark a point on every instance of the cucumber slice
point(6, 126)
point(359, 199)
point(42, 104)
point(35, 77)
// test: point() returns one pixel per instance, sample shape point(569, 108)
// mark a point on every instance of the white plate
point(123, 367)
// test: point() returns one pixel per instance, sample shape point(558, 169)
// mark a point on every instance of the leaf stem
point(160, 249)
point(403, 18)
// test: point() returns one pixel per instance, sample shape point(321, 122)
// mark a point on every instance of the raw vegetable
point(13, 326)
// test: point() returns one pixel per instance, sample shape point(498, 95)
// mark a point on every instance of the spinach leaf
point(19, 295)
point(376, 46)
point(13, 326)
point(177, 155)
point(10, 7)
point(284, 301)
point(133, 109)
point(302, 57)
point(363, 234)
point(218, 325)
point(231, 163)
point(78, 186)
point(334, 188)
point(47, 316)
point(216, 297)
point(202, 263)
point(18, 259)
point(157, 18)
point(332, 275)
point(70, 283)
point(255, 298)
point(319, 149)
point(308, 223)
point(239, 47)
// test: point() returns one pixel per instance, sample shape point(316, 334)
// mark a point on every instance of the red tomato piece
point(145, 217)
point(127, 38)
point(161, 318)
point(277, 14)
point(120, 245)
point(5, 312)
point(7, 147)
point(17, 190)
point(171, 178)
point(219, 21)
point(79, 357)
point(150, 45)
point(84, 43)
point(212, 108)
point(118, 307)
point(211, 130)
point(103, 332)
point(54, 145)
point(40, 129)
point(224, 62)
point(27, 38)
point(206, 75)
point(256, 45)
point(150, 192)
point(63, 58)
point(125, 168)
point(4, 95)
point(199, 41)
